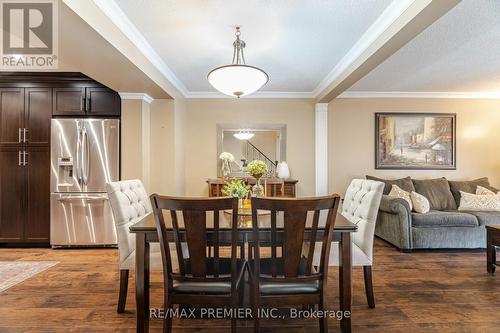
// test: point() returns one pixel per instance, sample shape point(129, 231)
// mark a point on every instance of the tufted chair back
point(361, 203)
point(130, 203)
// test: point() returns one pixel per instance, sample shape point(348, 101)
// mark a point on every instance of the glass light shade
point(243, 135)
point(237, 80)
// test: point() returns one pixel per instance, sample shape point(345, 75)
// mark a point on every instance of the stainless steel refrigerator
point(84, 156)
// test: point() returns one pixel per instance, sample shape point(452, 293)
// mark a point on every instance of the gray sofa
point(444, 226)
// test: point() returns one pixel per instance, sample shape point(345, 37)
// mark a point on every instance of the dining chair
point(203, 278)
point(274, 187)
point(129, 204)
point(360, 206)
point(288, 276)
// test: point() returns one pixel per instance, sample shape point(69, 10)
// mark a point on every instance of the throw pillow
point(484, 191)
point(468, 186)
point(420, 203)
point(437, 191)
point(474, 202)
point(403, 183)
point(397, 192)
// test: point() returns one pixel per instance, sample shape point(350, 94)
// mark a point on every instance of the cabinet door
point(68, 102)
point(12, 189)
point(11, 115)
point(37, 115)
point(37, 222)
point(103, 101)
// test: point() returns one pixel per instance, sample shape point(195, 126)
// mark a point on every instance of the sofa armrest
point(394, 222)
point(394, 205)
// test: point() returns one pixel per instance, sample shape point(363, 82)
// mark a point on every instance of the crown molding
point(145, 97)
point(388, 17)
point(258, 94)
point(421, 94)
point(123, 23)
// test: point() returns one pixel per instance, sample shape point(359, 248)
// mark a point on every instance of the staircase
point(250, 152)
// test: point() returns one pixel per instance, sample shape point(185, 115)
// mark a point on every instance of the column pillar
point(321, 148)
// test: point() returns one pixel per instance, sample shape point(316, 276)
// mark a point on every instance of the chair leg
point(367, 270)
point(167, 321)
point(255, 313)
point(122, 297)
point(323, 322)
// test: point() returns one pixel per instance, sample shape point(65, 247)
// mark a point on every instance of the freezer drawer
point(81, 219)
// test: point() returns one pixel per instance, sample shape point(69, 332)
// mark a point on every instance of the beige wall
point(131, 140)
point(162, 167)
point(201, 136)
point(351, 148)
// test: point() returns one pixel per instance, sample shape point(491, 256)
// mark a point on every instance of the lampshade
point(237, 80)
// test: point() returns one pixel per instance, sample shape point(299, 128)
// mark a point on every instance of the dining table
point(146, 233)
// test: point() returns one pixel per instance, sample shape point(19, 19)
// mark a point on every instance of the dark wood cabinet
point(102, 101)
point(37, 116)
point(25, 114)
point(86, 101)
point(69, 101)
point(11, 195)
point(37, 221)
point(12, 115)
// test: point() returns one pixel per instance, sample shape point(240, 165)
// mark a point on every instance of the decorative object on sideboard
point(283, 170)
point(226, 158)
point(237, 79)
point(424, 141)
point(257, 169)
point(237, 188)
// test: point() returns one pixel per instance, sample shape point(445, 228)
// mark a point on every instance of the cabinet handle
point(25, 158)
point(19, 135)
point(87, 104)
point(82, 101)
point(24, 134)
point(20, 159)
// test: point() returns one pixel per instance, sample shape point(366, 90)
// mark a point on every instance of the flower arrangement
point(236, 188)
point(257, 169)
point(226, 156)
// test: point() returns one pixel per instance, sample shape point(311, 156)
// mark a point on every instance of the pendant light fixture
point(243, 135)
point(237, 79)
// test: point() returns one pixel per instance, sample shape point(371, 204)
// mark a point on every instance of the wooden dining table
point(146, 233)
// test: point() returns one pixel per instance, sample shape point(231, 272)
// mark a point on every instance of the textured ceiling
point(297, 42)
point(459, 52)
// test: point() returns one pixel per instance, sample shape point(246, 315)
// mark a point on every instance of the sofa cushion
point(437, 191)
point(468, 186)
point(403, 183)
point(487, 218)
point(436, 218)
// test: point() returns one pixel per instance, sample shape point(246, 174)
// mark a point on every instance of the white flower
point(225, 156)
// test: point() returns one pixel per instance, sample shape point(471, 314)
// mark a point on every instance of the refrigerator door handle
point(82, 198)
point(85, 157)
point(78, 149)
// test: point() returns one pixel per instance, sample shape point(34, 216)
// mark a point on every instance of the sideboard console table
point(273, 187)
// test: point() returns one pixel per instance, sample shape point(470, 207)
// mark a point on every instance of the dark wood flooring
point(431, 291)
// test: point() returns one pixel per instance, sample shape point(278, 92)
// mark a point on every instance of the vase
point(226, 169)
point(258, 189)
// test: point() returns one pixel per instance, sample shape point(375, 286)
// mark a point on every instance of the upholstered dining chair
point(360, 206)
point(288, 276)
point(129, 203)
point(206, 277)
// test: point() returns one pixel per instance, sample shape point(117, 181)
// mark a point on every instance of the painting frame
point(379, 165)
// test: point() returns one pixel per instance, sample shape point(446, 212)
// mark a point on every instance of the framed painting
point(418, 141)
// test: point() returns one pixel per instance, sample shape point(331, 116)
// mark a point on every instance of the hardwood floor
point(431, 291)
